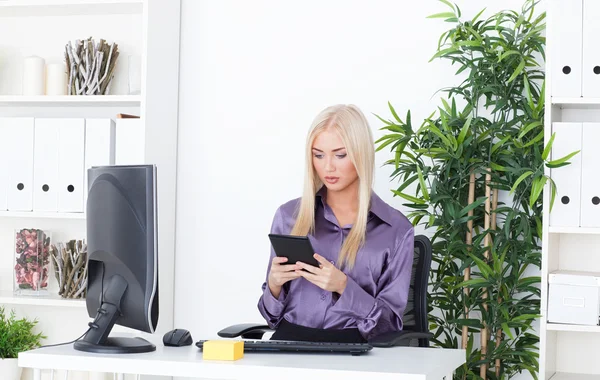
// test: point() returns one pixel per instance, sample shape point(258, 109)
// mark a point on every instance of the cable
point(92, 324)
point(73, 341)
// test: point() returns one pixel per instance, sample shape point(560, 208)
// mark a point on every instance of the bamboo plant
point(473, 174)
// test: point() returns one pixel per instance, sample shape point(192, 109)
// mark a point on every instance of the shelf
point(21, 8)
point(574, 230)
point(70, 101)
point(8, 298)
point(573, 376)
point(573, 328)
point(576, 102)
point(41, 214)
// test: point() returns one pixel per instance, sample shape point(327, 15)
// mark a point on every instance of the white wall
point(253, 75)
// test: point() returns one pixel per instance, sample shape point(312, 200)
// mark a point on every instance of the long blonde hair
point(352, 127)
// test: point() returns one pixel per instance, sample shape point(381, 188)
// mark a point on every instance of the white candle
point(33, 76)
point(56, 79)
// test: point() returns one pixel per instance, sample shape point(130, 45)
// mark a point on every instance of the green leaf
point(497, 167)
point(524, 317)
point(518, 71)
point(507, 53)
point(394, 113)
point(382, 146)
point(407, 183)
point(442, 15)
point(564, 159)
point(397, 157)
point(439, 133)
point(507, 331)
point(500, 144)
point(535, 140)
point(553, 195)
point(470, 345)
point(468, 43)
point(464, 130)
point(548, 147)
point(409, 197)
point(519, 180)
point(529, 96)
point(431, 220)
point(542, 97)
point(477, 16)
point(446, 105)
point(477, 35)
point(485, 269)
point(471, 322)
point(538, 186)
point(443, 52)
point(529, 127)
point(384, 121)
point(422, 183)
point(474, 283)
point(448, 4)
point(472, 206)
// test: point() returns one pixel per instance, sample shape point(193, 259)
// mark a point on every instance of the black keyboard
point(294, 346)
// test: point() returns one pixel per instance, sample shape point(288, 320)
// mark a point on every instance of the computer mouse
point(177, 338)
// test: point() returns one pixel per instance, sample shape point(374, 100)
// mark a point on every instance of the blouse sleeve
point(382, 313)
point(272, 308)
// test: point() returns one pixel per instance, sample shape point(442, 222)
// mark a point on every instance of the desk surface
point(381, 363)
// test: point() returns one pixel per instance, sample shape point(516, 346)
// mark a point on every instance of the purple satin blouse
point(377, 287)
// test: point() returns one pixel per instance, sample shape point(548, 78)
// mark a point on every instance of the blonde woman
point(364, 246)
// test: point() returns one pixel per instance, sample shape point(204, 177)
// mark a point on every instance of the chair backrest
point(415, 314)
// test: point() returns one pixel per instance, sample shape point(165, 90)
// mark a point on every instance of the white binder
point(566, 209)
point(591, 49)
point(99, 146)
point(45, 165)
point(70, 165)
point(130, 142)
point(590, 182)
point(20, 172)
point(4, 165)
point(566, 35)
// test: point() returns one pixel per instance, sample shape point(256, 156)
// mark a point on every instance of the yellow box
point(223, 350)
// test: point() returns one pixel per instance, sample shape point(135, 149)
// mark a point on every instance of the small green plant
point(17, 335)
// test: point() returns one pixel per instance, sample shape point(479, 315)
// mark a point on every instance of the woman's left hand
point(326, 277)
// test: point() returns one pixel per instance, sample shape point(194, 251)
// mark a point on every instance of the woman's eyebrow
point(335, 150)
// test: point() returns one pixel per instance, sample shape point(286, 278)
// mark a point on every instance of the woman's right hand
point(280, 274)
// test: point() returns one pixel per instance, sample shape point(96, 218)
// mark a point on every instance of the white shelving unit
point(7, 298)
point(574, 376)
point(574, 230)
point(573, 328)
point(568, 351)
point(42, 215)
point(71, 101)
point(30, 8)
point(575, 101)
point(146, 28)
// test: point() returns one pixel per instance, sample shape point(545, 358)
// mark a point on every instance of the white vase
point(10, 370)
point(33, 75)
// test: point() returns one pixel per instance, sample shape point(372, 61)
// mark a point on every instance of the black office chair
point(415, 331)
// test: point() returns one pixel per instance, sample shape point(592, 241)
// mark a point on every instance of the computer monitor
point(122, 242)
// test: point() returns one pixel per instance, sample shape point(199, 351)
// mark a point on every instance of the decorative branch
point(90, 66)
point(71, 268)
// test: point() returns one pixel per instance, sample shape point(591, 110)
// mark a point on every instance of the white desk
point(399, 363)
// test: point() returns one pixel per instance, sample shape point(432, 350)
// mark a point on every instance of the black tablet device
point(295, 248)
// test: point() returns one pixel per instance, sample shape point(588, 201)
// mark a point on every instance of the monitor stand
point(96, 339)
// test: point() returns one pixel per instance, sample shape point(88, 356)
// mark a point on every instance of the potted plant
point(16, 335)
point(476, 166)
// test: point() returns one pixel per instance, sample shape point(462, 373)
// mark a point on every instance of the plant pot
point(10, 370)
